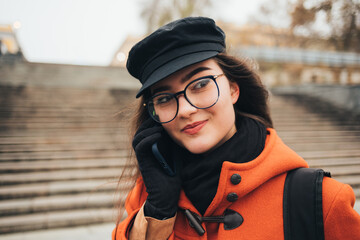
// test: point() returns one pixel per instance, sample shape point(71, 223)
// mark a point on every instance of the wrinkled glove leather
point(163, 190)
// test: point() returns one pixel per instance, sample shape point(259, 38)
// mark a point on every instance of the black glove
point(163, 190)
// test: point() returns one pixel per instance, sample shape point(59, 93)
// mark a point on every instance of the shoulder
point(341, 221)
point(336, 193)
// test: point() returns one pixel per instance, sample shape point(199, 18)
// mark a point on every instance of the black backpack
point(302, 205)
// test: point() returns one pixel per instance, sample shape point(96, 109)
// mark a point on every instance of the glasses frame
point(175, 95)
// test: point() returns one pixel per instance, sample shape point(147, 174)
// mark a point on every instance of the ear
point(234, 91)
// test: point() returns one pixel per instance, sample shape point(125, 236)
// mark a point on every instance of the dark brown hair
point(253, 99)
point(252, 102)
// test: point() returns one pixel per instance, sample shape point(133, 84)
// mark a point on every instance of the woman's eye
point(163, 100)
point(201, 84)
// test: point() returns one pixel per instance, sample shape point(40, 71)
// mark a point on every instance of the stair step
point(315, 163)
point(59, 110)
point(58, 126)
point(348, 170)
point(61, 175)
point(329, 153)
point(65, 155)
point(37, 107)
point(299, 147)
point(321, 139)
point(9, 133)
point(303, 117)
point(297, 123)
point(58, 219)
point(64, 95)
point(304, 127)
point(28, 190)
point(8, 167)
point(331, 133)
point(58, 202)
point(64, 147)
point(48, 105)
point(357, 194)
point(59, 120)
point(89, 232)
point(353, 180)
point(51, 140)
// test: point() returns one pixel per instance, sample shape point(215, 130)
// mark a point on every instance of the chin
point(198, 148)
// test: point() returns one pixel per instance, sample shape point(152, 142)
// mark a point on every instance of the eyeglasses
point(201, 93)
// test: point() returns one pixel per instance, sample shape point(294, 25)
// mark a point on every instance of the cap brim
point(174, 66)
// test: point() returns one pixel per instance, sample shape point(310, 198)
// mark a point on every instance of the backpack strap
point(302, 204)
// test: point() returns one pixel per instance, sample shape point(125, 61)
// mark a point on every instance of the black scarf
point(201, 172)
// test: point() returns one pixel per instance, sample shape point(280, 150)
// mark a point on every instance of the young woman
point(212, 166)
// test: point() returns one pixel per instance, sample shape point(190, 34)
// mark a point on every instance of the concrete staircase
point(61, 153)
point(325, 136)
point(62, 150)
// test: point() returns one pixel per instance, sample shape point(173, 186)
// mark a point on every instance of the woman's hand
point(163, 190)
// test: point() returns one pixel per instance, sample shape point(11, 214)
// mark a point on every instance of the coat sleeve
point(133, 204)
point(136, 225)
point(341, 221)
point(150, 228)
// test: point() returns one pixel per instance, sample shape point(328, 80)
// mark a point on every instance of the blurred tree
point(341, 17)
point(272, 14)
point(159, 12)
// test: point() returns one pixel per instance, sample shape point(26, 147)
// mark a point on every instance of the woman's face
point(201, 130)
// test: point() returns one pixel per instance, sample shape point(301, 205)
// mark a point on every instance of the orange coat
point(260, 200)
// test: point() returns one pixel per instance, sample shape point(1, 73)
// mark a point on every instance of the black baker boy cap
point(172, 47)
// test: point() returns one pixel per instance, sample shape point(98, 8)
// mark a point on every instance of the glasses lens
point(202, 93)
point(163, 107)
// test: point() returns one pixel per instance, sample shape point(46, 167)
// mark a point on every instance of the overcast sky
point(88, 32)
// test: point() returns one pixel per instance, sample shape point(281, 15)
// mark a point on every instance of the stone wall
point(57, 75)
point(346, 97)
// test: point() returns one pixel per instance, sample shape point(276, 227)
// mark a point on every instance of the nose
point(185, 108)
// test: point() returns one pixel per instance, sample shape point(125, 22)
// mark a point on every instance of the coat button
point(235, 179)
point(232, 197)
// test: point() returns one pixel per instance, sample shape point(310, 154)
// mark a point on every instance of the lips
point(194, 128)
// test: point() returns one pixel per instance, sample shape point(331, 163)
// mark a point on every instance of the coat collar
point(275, 159)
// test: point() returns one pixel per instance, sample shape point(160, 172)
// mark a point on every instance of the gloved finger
point(164, 143)
point(146, 133)
point(148, 123)
point(144, 146)
point(140, 134)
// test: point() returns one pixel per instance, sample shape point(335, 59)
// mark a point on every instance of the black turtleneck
point(201, 172)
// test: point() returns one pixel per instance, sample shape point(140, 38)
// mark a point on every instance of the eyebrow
point(193, 73)
point(160, 89)
point(184, 79)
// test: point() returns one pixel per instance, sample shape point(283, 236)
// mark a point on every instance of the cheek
point(225, 106)
point(224, 114)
